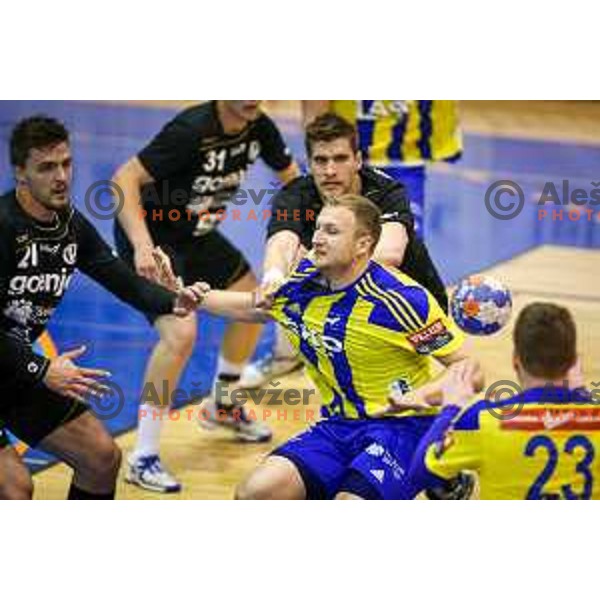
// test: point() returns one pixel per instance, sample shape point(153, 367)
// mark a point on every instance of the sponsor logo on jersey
point(207, 184)
point(45, 283)
point(314, 338)
point(431, 338)
point(375, 450)
point(554, 419)
point(70, 254)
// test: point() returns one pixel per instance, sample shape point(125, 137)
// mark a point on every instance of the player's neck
point(338, 279)
point(230, 122)
point(32, 207)
point(529, 382)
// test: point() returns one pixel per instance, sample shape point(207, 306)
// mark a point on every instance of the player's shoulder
point(378, 186)
point(7, 204)
point(395, 286)
point(200, 119)
point(263, 120)
point(304, 267)
point(8, 213)
point(302, 186)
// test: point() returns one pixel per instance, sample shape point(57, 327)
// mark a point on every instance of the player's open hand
point(189, 299)
point(457, 386)
point(67, 379)
point(165, 273)
point(400, 402)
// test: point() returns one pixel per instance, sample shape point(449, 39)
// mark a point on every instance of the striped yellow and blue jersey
point(361, 342)
point(542, 444)
point(411, 132)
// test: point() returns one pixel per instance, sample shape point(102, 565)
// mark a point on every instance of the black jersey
point(37, 262)
point(197, 168)
point(297, 206)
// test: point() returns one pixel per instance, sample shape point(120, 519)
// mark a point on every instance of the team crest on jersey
point(70, 254)
point(431, 338)
point(399, 387)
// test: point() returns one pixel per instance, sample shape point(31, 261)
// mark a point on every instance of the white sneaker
point(257, 374)
point(147, 472)
point(211, 416)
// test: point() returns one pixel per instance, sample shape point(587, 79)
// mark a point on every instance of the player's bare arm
point(460, 366)
point(280, 255)
point(130, 178)
point(392, 245)
point(242, 306)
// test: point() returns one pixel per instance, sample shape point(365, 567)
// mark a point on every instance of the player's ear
point(364, 243)
point(517, 364)
point(20, 174)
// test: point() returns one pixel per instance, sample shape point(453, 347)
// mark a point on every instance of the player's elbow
point(391, 250)
point(131, 174)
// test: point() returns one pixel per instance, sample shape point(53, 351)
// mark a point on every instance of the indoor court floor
point(539, 258)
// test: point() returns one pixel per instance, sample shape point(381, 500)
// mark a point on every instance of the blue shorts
point(368, 458)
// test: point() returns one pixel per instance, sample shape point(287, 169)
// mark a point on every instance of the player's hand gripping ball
point(481, 305)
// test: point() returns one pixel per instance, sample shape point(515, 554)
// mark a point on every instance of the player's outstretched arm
point(458, 364)
point(438, 454)
point(98, 261)
point(240, 306)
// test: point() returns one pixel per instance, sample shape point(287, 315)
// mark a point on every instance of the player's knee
point(17, 487)
point(104, 460)
point(256, 488)
point(271, 482)
point(179, 337)
point(347, 496)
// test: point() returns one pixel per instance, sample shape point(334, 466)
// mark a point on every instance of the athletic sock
point(76, 493)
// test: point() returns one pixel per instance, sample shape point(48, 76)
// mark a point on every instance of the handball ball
point(481, 305)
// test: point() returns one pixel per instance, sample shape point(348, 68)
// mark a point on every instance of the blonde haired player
point(362, 330)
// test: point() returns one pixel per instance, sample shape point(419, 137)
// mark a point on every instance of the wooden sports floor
point(210, 464)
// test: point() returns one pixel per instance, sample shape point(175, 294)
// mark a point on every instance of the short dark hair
point(545, 339)
point(32, 133)
point(329, 127)
point(366, 213)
